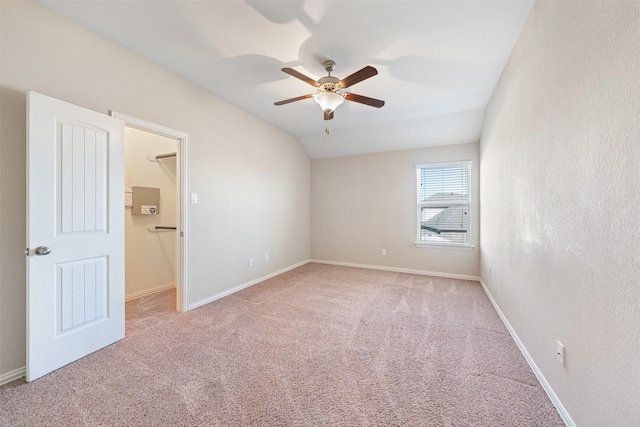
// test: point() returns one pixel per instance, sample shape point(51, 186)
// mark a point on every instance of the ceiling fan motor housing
point(329, 84)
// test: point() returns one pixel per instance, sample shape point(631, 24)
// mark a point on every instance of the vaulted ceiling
point(438, 61)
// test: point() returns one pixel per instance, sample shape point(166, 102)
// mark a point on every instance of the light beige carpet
point(317, 346)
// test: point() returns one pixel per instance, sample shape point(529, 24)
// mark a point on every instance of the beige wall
point(150, 257)
point(252, 179)
point(560, 190)
point(362, 204)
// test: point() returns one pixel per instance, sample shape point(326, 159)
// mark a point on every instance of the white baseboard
point(564, 414)
point(13, 375)
point(150, 291)
point(244, 285)
point(399, 270)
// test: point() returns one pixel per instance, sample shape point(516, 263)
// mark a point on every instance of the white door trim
point(182, 164)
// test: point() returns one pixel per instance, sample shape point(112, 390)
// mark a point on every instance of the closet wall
point(150, 256)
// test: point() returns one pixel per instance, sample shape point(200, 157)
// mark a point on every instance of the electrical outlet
point(250, 262)
point(266, 258)
point(384, 252)
point(560, 353)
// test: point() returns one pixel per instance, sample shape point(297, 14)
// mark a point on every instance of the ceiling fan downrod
point(329, 66)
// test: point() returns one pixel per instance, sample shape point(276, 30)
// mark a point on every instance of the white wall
point(252, 179)
point(362, 204)
point(150, 257)
point(560, 197)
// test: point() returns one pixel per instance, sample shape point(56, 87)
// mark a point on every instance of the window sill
point(458, 246)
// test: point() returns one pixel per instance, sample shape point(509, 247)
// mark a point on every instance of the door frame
point(182, 172)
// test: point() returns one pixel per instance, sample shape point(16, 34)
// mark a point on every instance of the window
point(444, 208)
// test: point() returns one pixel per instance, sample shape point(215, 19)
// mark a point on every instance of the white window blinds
point(443, 204)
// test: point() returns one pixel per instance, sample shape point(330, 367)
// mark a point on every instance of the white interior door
point(75, 233)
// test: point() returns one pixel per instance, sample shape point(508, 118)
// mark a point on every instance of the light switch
point(194, 197)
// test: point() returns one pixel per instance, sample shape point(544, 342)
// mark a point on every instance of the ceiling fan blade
point(299, 75)
point(328, 116)
point(358, 76)
point(299, 98)
point(364, 100)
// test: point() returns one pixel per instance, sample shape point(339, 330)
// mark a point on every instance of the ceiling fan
point(331, 89)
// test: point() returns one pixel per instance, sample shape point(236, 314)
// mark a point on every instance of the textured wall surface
point(560, 196)
point(251, 178)
point(362, 204)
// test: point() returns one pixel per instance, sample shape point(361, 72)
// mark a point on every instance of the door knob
point(42, 250)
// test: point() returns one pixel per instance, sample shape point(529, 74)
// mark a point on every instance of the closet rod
point(162, 156)
point(154, 228)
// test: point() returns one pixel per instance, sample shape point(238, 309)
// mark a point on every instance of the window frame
point(448, 245)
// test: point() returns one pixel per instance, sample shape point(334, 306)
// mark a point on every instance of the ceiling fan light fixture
point(328, 101)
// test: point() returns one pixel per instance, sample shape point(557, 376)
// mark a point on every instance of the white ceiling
point(438, 61)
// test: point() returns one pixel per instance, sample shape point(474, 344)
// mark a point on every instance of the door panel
point(75, 186)
point(82, 197)
point(81, 293)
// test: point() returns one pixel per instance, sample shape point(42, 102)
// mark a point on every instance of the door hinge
point(26, 252)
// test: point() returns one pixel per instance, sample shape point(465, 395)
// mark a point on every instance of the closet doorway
point(156, 209)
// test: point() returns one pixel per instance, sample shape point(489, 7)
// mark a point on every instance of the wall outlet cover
point(560, 353)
